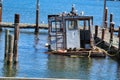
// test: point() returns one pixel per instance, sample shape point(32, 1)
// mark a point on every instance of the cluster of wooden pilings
point(37, 18)
point(107, 32)
point(11, 43)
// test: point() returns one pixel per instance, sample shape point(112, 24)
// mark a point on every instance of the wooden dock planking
point(24, 78)
point(23, 25)
point(106, 39)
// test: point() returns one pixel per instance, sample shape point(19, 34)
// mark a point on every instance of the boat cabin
point(70, 31)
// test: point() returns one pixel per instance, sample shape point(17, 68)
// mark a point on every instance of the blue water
point(34, 62)
point(26, 9)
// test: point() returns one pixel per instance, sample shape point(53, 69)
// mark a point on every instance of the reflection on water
point(36, 41)
point(66, 67)
point(9, 70)
point(118, 72)
point(82, 68)
point(33, 62)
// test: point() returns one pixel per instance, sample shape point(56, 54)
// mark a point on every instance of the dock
point(23, 25)
point(104, 37)
point(23, 78)
point(108, 41)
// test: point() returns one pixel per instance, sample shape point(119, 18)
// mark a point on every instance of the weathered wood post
point(111, 19)
point(37, 18)
point(84, 24)
point(119, 38)
point(0, 29)
point(106, 17)
point(111, 26)
point(104, 12)
point(103, 34)
point(91, 33)
point(10, 49)
point(16, 36)
point(111, 32)
point(6, 44)
point(96, 31)
point(0, 13)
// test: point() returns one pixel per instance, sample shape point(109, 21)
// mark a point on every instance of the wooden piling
point(16, 36)
point(106, 17)
point(111, 31)
point(111, 26)
point(111, 19)
point(104, 12)
point(0, 11)
point(10, 50)
point(96, 31)
point(0, 29)
point(0, 14)
point(103, 34)
point(6, 44)
point(119, 38)
point(37, 18)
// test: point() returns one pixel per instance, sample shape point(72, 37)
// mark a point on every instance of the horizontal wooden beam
point(22, 78)
point(23, 25)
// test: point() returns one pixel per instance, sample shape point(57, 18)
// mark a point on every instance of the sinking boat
point(71, 34)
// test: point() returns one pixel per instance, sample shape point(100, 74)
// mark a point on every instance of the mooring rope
point(111, 43)
point(89, 53)
point(106, 52)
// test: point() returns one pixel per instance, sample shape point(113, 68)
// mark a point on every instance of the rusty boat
point(71, 34)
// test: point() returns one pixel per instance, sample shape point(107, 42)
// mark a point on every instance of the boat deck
point(96, 52)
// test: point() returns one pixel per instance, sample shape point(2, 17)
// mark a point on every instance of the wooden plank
point(107, 37)
point(80, 53)
point(23, 25)
point(23, 78)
